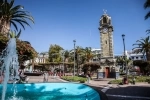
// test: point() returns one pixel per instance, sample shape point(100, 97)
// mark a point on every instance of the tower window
point(106, 41)
point(104, 20)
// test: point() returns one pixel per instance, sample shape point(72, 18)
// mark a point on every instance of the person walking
point(88, 77)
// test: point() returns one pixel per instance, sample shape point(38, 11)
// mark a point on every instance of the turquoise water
point(51, 91)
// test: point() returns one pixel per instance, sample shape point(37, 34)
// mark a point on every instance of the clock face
point(105, 30)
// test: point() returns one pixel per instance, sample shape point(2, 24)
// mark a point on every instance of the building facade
point(96, 52)
point(41, 58)
point(135, 56)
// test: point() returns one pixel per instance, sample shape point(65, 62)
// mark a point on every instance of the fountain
point(38, 91)
point(9, 64)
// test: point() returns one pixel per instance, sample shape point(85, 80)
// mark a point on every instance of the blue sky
point(62, 21)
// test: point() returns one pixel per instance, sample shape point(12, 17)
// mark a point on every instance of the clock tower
point(108, 68)
point(106, 36)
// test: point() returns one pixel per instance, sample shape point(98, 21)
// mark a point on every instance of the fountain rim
point(101, 94)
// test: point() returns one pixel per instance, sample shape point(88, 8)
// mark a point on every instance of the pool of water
point(51, 91)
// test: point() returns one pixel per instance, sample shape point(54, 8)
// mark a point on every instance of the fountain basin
point(52, 91)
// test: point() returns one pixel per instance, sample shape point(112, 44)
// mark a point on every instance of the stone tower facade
point(107, 68)
point(106, 36)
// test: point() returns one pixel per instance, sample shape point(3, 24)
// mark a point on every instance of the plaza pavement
point(40, 79)
point(139, 91)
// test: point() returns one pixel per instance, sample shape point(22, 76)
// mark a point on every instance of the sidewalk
point(95, 82)
point(104, 83)
point(39, 79)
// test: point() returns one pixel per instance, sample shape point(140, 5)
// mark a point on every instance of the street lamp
point(63, 63)
point(74, 58)
point(123, 38)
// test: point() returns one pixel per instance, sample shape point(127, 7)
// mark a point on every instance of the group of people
point(21, 77)
point(55, 73)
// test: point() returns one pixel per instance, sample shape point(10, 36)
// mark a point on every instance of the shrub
point(148, 80)
point(74, 79)
point(130, 79)
point(115, 82)
point(139, 78)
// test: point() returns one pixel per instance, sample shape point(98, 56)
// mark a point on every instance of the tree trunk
point(33, 64)
point(4, 27)
point(77, 65)
point(148, 56)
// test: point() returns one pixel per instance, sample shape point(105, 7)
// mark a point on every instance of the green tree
point(88, 54)
point(54, 53)
point(143, 46)
point(121, 61)
point(25, 51)
point(66, 55)
point(79, 52)
point(144, 66)
point(11, 15)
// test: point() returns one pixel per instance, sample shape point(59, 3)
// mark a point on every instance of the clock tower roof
point(105, 19)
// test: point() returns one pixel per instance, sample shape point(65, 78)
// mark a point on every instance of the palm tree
point(11, 15)
point(147, 5)
point(121, 61)
point(66, 55)
point(78, 54)
point(88, 54)
point(143, 46)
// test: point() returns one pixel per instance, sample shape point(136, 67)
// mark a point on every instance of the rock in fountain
point(9, 64)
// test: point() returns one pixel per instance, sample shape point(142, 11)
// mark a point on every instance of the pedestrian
point(88, 77)
point(45, 77)
point(133, 80)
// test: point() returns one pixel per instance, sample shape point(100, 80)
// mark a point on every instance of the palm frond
point(147, 4)
point(14, 24)
point(19, 33)
point(11, 3)
point(147, 15)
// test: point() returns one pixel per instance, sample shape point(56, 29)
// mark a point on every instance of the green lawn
point(74, 79)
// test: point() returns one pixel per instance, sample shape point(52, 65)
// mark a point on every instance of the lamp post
point(63, 63)
point(74, 58)
point(123, 38)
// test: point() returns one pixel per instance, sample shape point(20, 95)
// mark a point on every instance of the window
point(94, 59)
point(106, 41)
point(104, 20)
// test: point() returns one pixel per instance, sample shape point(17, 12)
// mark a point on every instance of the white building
point(96, 52)
point(135, 56)
point(40, 59)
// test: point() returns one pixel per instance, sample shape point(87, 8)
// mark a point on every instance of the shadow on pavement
point(102, 95)
point(129, 93)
